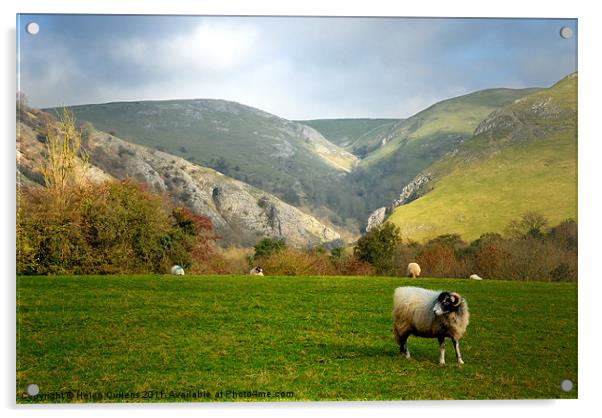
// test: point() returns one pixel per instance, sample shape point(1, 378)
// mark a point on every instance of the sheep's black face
point(446, 303)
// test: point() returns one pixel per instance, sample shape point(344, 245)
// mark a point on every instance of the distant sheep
point(413, 270)
point(475, 277)
point(256, 271)
point(177, 270)
point(429, 314)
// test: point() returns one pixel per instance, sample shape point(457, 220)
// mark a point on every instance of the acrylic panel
point(227, 208)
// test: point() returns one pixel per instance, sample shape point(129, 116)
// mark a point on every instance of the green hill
point(522, 158)
point(240, 214)
point(415, 143)
point(295, 161)
point(290, 160)
point(358, 136)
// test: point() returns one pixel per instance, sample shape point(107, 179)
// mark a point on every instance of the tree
point(267, 246)
point(64, 152)
point(336, 253)
point(565, 235)
point(530, 225)
point(378, 245)
point(22, 102)
point(453, 241)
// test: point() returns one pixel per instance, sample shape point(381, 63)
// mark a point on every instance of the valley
point(488, 156)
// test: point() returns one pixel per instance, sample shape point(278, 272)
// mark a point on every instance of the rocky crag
point(240, 213)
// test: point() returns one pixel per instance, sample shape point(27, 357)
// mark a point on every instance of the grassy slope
point(322, 338)
point(252, 143)
point(345, 132)
point(494, 180)
point(445, 120)
point(422, 139)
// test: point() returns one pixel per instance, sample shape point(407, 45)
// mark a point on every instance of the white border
point(590, 209)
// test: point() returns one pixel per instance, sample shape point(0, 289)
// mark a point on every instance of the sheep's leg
point(457, 349)
point(441, 350)
point(403, 347)
point(402, 340)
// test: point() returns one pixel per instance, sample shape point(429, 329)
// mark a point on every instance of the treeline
point(528, 250)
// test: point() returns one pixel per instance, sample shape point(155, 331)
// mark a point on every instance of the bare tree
point(64, 149)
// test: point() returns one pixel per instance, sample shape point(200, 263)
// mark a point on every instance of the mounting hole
point(33, 389)
point(32, 28)
point(566, 385)
point(566, 32)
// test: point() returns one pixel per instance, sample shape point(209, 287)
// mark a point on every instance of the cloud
point(210, 48)
point(294, 67)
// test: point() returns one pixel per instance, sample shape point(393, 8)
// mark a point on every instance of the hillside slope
point(241, 214)
point(358, 136)
point(521, 158)
point(282, 157)
point(411, 145)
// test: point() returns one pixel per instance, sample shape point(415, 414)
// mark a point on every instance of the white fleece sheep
point(177, 270)
point(256, 271)
point(475, 277)
point(429, 314)
point(413, 270)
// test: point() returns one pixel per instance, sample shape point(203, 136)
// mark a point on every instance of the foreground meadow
point(166, 338)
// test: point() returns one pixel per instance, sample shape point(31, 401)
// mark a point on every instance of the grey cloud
point(294, 67)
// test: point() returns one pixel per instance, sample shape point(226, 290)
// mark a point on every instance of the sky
point(295, 67)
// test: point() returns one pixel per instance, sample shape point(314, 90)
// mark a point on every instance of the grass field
point(319, 338)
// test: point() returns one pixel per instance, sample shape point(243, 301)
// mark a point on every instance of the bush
point(378, 246)
point(437, 260)
point(267, 246)
point(114, 227)
point(350, 265)
point(336, 253)
point(293, 262)
point(564, 235)
point(313, 262)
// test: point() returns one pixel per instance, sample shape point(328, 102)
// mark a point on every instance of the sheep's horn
point(457, 297)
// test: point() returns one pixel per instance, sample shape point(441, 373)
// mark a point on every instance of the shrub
point(562, 272)
point(565, 235)
point(294, 262)
point(268, 246)
point(350, 265)
point(453, 241)
point(336, 253)
point(377, 247)
point(437, 260)
point(114, 227)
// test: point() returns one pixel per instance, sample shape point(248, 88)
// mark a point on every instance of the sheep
point(177, 270)
point(413, 270)
point(429, 314)
point(475, 277)
point(256, 271)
